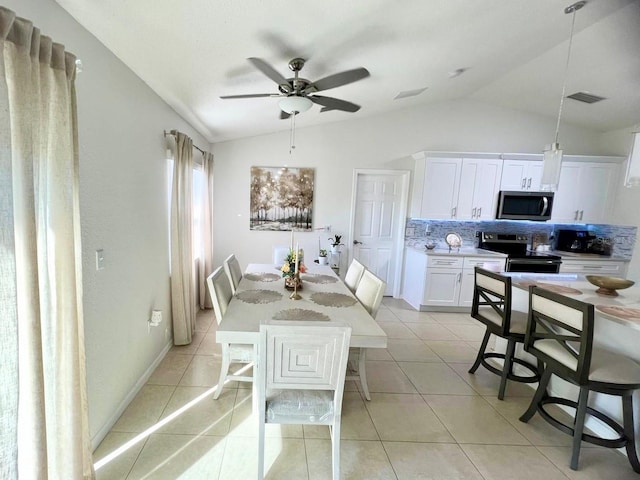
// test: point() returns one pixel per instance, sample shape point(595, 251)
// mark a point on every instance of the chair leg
point(483, 347)
point(578, 426)
point(224, 370)
point(335, 449)
point(362, 373)
point(627, 413)
point(506, 367)
point(541, 392)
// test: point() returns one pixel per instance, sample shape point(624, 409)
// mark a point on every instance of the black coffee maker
point(577, 241)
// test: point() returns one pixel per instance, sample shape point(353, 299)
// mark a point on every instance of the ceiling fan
point(299, 94)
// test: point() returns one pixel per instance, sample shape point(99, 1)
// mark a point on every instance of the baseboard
point(106, 428)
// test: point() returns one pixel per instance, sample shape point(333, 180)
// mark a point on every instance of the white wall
point(123, 204)
point(377, 142)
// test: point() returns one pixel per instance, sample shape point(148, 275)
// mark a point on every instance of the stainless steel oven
point(519, 258)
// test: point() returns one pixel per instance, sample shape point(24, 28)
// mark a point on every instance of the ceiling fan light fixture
point(295, 103)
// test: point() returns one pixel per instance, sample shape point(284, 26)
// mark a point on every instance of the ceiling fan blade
point(339, 79)
point(251, 95)
point(271, 72)
point(331, 103)
point(284, 115)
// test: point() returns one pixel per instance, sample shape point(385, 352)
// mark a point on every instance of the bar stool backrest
point(560, 333)
point(492, 301)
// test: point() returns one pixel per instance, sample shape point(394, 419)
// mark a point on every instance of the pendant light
point(552, 160)
point(632, 177)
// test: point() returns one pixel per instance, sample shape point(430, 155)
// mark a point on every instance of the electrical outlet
point(156, 317)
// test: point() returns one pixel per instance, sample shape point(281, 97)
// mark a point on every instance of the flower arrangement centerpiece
point(292, 267)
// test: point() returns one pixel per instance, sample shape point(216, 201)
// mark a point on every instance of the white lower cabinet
point(442, 280)
point(613, 268)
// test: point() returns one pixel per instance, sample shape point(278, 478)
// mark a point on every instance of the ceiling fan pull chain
point(292, 135)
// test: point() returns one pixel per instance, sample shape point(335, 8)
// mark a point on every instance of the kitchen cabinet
point(456, 188)
point(585, 193)
point(441, 186)
point(521, 175)
point(435, 282)
point(479, 187)
point(443, 281)
point(613, 268)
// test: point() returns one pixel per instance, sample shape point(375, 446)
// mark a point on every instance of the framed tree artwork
point(281, 199)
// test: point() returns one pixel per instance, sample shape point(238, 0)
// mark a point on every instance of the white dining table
point(261, 295)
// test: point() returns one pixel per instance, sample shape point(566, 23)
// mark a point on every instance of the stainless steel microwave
point(534, 206)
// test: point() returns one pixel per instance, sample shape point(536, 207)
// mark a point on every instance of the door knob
point(356, 242)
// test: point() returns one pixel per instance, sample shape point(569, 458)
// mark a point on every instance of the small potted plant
point(322, 257)
point(335, 243)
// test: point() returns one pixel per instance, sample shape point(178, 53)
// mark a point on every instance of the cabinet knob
point(581, 213)
point(529, 183)
point(524, 183)
point(473, 213)
point(356, 242)
point(479, 212)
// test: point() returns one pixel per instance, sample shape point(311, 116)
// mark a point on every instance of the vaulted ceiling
point(191, 52)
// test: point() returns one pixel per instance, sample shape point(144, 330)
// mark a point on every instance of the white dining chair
point(353, 275)
point(280, 253)
point(369, 292)
point(301, 374)
point(221, 294)
point(233, 271)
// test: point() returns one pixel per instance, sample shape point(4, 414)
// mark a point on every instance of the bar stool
point(492, 306)
point(560, 334)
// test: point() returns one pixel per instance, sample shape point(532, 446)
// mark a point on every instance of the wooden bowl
point(609, 285)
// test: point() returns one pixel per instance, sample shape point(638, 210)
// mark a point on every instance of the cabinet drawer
point(444, 262)
point(609, 268)
point(472, 262)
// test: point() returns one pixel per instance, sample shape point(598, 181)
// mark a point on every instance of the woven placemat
point(331, 299)
point(259, 296)
point(317, 278)
point(262, 277)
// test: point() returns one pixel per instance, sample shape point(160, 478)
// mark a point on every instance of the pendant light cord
point(566, 70)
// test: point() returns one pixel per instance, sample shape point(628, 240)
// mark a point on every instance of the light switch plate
point(100, 259)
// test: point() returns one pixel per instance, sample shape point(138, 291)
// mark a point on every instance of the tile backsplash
point(623, 237)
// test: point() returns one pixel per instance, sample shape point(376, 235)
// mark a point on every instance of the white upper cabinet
point(441, 186)
point(479, 186)
point(456, 188)
point(521, 175)
point(586, 191)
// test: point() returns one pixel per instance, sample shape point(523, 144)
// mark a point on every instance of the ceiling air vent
point(409, 93)
point(585, 97)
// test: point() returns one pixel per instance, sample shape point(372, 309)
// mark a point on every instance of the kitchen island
point(616, 328)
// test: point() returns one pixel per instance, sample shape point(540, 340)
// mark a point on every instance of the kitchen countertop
point(461, 252)
point(623, 309)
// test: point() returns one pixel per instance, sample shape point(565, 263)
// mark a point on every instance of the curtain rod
point(175, 132)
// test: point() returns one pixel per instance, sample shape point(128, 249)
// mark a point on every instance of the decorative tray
point(453, 240)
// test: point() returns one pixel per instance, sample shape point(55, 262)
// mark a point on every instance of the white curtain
point(182, 285)
point(206, 259)
point(43, 405)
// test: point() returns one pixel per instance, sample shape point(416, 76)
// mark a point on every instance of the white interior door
point(378, 216)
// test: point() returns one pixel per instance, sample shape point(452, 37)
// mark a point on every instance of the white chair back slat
point(233, 271)
point(220, 291)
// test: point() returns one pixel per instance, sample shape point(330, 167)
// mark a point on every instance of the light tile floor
point(428, 418)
